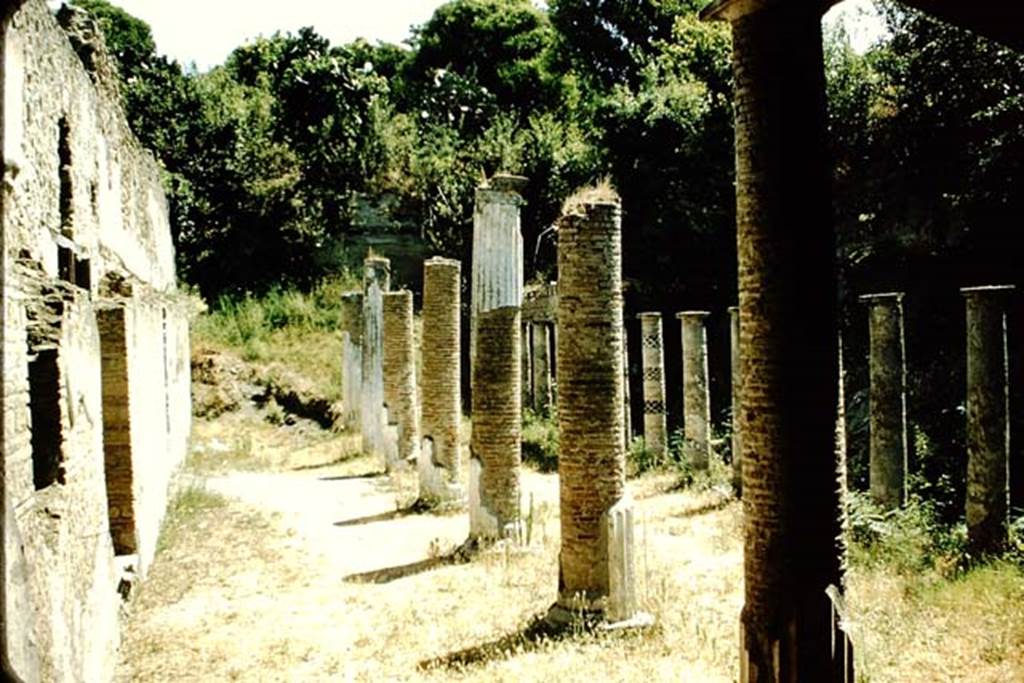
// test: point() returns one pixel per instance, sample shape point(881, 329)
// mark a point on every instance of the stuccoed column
point(376, 281)
point(496, 441)
point(440, 454)
point(737, 387)
point(497, 277)
point(888, 413)
point(400, 377)
point(540, 340)
point(597, 575)
point(526, 371)
point(655, 423)
point(793, 541)
point(352, 357)
point(626, 408)
point(696, 403)
point(988, 438)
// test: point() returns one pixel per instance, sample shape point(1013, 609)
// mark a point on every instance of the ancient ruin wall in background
point(85, 227)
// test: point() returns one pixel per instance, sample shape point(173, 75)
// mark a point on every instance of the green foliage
point(540, 441)
point(717, 475)
point(475, 56)
point(639, 458)
point(909, 539)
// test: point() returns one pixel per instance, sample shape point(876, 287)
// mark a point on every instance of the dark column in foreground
point(793, 553)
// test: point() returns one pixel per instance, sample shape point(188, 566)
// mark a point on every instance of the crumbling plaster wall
point(79, 191)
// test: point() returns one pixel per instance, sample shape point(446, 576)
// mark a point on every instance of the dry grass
point(922, 627)
point(603, 192)
point(241, 592)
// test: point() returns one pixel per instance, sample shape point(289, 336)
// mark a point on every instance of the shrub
point(540, 440)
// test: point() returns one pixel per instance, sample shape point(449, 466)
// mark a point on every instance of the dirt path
point(353, 522)
point(251, 583)
point(254, 582)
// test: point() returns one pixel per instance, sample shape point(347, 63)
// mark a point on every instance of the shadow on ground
point(533, 636)
point(460, 555)
point(705, 508)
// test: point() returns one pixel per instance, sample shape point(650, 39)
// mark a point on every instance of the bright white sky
point(206, 31)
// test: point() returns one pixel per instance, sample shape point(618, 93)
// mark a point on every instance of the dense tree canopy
point(271, 158)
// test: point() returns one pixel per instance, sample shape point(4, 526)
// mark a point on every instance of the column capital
point(987, 291)
point(731, 10)
point(683, 315)
point(648, 315)
point(881, 298)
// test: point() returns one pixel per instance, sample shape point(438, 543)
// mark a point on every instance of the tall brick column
point(376, 281)
point(497, 276)
point(440, 454)
point(540, 341)
point(596, 561)
point(793, 550)
point(495, 445)
point(400, 377)
point(655, 422)
point(696, 400)
point(888, 370)
point(737, 386)
point(352, 357)
point(988, 434)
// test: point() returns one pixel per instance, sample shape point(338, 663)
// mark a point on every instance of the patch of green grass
point(190, 501)
point(298, 330)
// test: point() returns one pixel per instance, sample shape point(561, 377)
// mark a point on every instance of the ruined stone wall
point(85, 230)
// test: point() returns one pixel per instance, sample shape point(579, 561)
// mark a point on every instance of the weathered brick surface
point(400, 373)
point(888, 413)
point(653, 355)
point(495, 444)
point(987, 423)
point(442, 409)
point(696, 400)
point(83, 205)
point(117, 430)
point(788, 345)
point(736, 381)
point(591, 466)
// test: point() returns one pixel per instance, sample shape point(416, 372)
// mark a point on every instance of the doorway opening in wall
point(117, 446)
point(44, 408)
point(66, 194)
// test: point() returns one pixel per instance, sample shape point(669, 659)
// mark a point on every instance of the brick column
point(400, 377)
point(696, 401)
point(352, 357)
point(888, 370)
point(655, 423)
point(540, 341)
point(596, 560)
point(793, 554)
point(495, 445)
point(497, 276)
point(737, 386)
point(988, 438)
point(440, 455)
point(376, 281)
